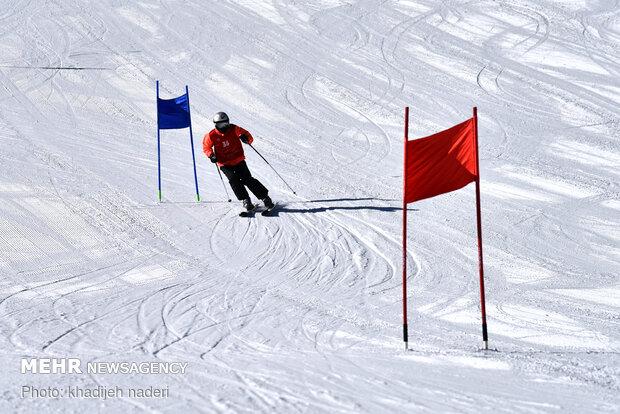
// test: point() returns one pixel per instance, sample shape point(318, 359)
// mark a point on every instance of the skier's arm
point(244, 132)
point(207, 146)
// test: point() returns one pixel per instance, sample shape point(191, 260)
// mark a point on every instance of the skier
point(222, 145)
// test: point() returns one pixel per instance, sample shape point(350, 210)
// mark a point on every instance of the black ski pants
point(239, 177)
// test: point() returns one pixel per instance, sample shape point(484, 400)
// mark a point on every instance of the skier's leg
point(235, 182)
point(255, 186)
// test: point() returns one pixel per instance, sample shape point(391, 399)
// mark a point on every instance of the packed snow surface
point(301, 312)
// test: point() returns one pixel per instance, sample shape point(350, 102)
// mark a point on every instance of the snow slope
point(301, 312)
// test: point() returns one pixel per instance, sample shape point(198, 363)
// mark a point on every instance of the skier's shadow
point(286, 207)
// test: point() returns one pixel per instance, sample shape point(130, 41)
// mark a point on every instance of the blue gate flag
point(173, 113)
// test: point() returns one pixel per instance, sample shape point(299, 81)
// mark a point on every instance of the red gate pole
point(485, 337)
point(405, 332)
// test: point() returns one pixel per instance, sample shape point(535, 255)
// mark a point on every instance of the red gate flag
point(440, 163)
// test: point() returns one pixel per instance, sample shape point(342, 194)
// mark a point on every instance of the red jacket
point(226, 145)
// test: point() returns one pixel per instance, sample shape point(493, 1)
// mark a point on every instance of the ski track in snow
point(301, 312)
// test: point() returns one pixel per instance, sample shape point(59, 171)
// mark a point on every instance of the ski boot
point(268, 203)
point(248, 208)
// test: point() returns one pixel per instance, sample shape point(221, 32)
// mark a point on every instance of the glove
point(213, 159)
point(244, 138)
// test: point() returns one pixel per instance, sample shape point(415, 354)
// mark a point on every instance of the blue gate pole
point(191, 139)
point(158, 147)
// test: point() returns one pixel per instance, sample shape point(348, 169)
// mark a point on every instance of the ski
point(263, 211)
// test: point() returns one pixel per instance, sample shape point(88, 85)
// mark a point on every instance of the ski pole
point(274, 170)
point(220, 173)
point(225, 189)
